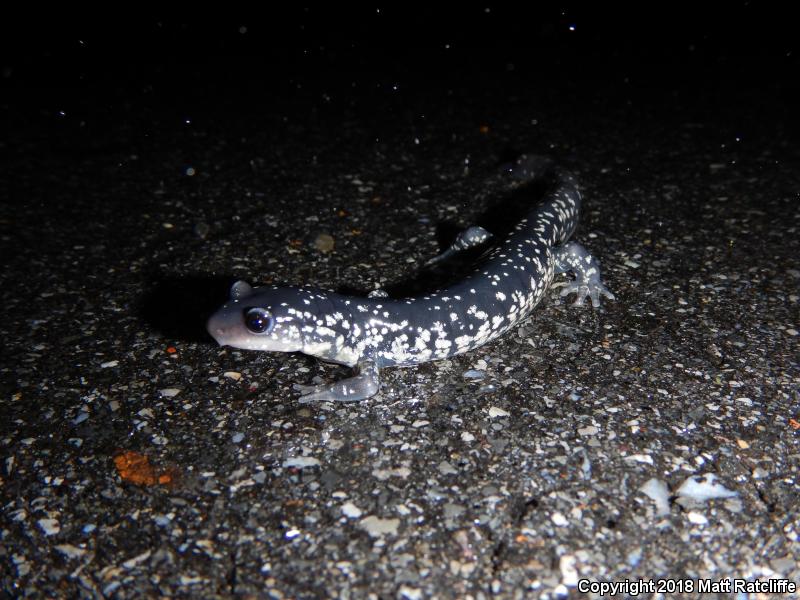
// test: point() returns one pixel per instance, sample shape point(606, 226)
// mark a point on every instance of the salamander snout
point(219, 328)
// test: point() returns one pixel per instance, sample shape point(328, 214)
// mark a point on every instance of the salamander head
point(265, 318)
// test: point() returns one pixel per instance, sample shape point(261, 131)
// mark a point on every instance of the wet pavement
point(653, 439)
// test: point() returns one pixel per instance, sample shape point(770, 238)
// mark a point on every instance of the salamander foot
point(575, 258)
point(360, 387)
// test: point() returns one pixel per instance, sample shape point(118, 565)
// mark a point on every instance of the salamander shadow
point(499, 219)
point(178, 307)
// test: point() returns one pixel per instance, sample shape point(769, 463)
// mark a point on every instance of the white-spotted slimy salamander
point(375, 332)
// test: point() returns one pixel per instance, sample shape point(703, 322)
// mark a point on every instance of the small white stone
point(559, 519)
point(657, 491)
point(561, 591)
point(696, 518)
point(136, 560)
point(301, 462)
point(350, 510)
point(409, 593)
point(704, 487)
point(169, 392)
point(49, 526)
point(569, 571)
point(377, 527)
point(496, 411)
point(642, 458)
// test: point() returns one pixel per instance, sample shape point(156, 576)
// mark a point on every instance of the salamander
point(374, 332)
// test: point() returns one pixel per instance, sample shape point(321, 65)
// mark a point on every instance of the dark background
point(75, 74)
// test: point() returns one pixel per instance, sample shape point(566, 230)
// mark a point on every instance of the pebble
point(496, 411)
point(657, 491)
point(701, 488)
point(569, 571)
point(409, 593)
point(561, 591)
point(377, 527)
point(324, 242)
point(696, 518)
point(162, 521)
point(473, 374)
point(634, 557)
point(642, 458)
point(301, 462)
point(784, 565)
point(23, 568)
point(451, 510)
point(132, 563)
point(384, 474)
point(201, 230)
point(445, 468)
point(350, 510)
point(70, 551)
point(169, 392)
point(49, 526)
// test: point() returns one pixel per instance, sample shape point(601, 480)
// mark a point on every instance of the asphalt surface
point(140, 459)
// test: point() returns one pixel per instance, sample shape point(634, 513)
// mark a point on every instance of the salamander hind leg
point(363, 385)
point(469, 238)
point(575, 258)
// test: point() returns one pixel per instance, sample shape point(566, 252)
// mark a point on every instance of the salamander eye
point(258, 320)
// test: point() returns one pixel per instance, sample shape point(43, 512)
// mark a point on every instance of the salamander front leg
point(363, 385)
point(469, 238)
point(575, 258)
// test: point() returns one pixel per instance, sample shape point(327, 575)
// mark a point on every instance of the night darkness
point(148, 161)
